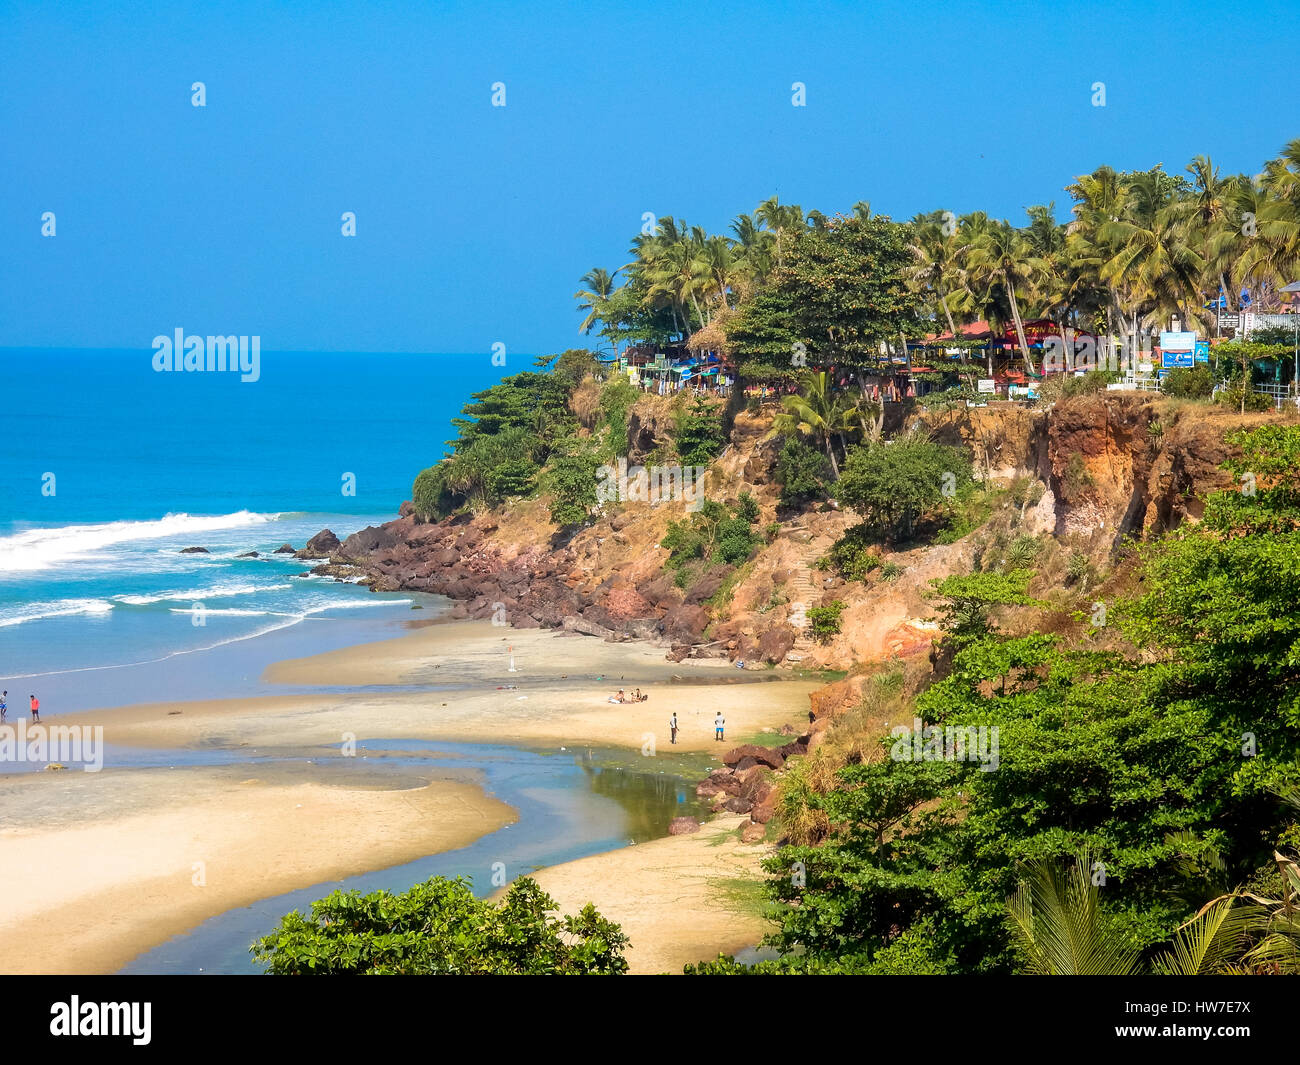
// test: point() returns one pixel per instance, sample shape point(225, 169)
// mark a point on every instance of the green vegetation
point(897, 484)
point(699, 437)
point(715, 535)
point(854, 555)
point(1127, 788)
point(825, 620)
point(440, 928)
point(1196, 382)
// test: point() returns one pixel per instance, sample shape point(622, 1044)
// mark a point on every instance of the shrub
point(571, 481)
point(699, 435)
point(853, 555)
point(439, 927)
point(430, 495)
point(747, 508)
point(616, 400)
point(825, 620)
point(1194, 382)
point(802, 472)
point(1231, 398)
point(894, 485)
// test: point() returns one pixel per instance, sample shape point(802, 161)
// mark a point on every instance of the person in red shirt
point(36, 708)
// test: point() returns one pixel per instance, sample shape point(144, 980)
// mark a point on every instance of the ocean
point(109, 469)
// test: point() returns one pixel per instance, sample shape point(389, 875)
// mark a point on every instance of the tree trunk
point(962, 353)
point(1020, 325)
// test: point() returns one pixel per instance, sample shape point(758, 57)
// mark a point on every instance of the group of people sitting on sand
point(635, 697)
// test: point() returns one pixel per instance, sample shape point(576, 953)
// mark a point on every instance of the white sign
point(985, 384)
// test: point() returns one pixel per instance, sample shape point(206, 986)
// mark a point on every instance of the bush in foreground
point(440, 928)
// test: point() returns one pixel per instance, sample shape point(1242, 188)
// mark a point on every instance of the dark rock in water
point(248, 554)
point(322, 545)
point(331, 569)
point(681, 826)
point(195, 551)
point(366, 542)
point(283, 549)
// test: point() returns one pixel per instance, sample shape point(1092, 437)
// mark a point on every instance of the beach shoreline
point(124, 842)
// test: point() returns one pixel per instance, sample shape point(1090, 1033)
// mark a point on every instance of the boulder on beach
point(759, 755)
point(194, 551)
point(681, 826)
point(753, 832)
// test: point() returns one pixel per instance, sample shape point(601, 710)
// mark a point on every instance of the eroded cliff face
point(1137, 465)
point(1111, 465)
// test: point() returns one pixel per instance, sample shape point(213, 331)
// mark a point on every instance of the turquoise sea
point(108, 469)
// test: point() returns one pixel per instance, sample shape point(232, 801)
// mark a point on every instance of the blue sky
point(475, 223)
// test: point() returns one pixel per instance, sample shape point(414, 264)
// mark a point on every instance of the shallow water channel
point(570, 804)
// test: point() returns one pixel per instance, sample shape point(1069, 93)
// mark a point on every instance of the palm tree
point(1057, 924)
point(1001, 256)
point(757, 249)
point(599, 286)
point(785, 221)
point(935, 266)
point(820, 413)
point(1153, 262)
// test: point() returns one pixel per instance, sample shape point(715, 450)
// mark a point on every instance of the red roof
point(974, 331)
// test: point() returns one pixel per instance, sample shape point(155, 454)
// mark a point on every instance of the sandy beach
point(681, 899)
point(101, 866)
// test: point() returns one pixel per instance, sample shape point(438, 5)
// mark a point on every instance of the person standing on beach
point(4, 706)
point(718, 725)
point(36, 708)
point(672, 726)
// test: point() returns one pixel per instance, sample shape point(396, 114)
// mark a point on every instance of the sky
point(475, 223)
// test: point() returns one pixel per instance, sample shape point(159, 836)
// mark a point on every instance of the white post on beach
point(512, 661)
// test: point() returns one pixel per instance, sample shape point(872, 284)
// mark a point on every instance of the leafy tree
point(894, 485)
point(570, 480)
point(965, 614)
point(440, 928)
point(802, 472)
point(700, 438)
point(533, 402)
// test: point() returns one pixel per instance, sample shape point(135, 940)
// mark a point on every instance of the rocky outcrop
point(194, 551)
point(322, 545)
point(750, 755)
